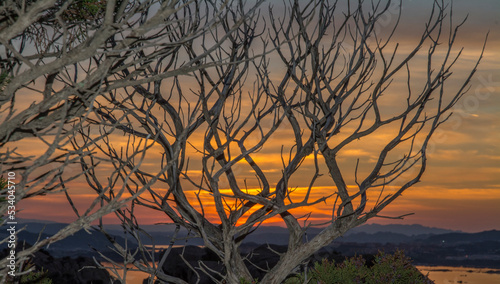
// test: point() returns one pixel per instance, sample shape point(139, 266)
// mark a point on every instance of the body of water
point(438, 274)
point(462, 275)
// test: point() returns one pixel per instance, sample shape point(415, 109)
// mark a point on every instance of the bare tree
point(337, 70)
point(57, 58)
point(175, 106)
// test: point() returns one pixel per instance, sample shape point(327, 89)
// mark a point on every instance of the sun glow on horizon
point(459, 190)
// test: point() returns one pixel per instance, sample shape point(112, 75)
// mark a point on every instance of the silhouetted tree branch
point(58, 58)
point(175, 106)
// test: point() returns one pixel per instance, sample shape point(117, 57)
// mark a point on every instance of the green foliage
point(39, 277)
point(82, 10)
point(4, 80)
point(36, 277)
point(395, 269)
point(3, 183)
point(350, 271)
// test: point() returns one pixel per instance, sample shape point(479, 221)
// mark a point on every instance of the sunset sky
point(461, 187)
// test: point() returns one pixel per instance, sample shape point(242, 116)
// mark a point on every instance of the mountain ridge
point(426, 245)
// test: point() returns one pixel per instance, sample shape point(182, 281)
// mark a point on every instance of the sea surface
point(438, 274)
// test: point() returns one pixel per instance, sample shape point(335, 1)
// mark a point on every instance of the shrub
point(387, 268)
point(395, 268)
point(38, 277)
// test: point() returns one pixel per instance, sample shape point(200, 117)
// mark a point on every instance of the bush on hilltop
point(387, 268)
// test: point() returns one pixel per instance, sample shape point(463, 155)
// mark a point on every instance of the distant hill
point(372, 233)
point(458, 238)
point(35, 226)
point(379, 237)
point(81, 243)
point(408, 230)
point(161, 234)
point(425, 245)
point(51, 227)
